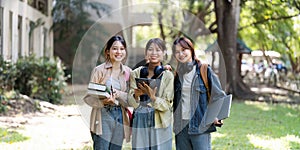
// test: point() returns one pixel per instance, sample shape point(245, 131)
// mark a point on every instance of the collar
point(108, 65)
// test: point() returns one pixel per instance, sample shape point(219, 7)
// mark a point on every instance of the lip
point(118, 56)
point(182, 58)
point(153, 57)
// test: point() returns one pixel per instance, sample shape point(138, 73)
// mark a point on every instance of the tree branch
point(269, 19)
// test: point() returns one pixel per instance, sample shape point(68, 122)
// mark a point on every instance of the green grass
point(255, 125)
point(11, 136)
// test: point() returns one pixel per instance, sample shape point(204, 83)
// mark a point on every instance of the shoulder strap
point(203, 72)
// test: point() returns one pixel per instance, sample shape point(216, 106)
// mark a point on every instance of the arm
point(92, 100)
point(132, 86)
point(164, 100)
point(216, 90)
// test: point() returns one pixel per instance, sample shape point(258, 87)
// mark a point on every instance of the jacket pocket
point(201, 89)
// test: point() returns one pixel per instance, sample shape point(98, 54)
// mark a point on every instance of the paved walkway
point(57, 127)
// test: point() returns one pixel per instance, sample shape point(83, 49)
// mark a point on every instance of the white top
point(115, 84)
point(186, 94)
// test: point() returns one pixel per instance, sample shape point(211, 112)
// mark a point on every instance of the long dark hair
point(109, 44)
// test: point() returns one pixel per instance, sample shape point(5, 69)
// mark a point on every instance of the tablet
point(150, 82)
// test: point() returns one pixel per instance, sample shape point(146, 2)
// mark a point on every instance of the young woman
point(190, 99)
point(109, 123)
point(152, 117)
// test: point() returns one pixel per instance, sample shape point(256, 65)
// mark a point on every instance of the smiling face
point(183, 55)
point(117, 52)
point(154, 54)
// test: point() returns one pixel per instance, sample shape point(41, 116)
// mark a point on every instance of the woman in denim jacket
point(109, 123)
point(190, 99)
point(152, 117)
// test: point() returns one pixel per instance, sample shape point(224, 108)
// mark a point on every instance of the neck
point(191, 60)
point(116, 65)
point(153, 65)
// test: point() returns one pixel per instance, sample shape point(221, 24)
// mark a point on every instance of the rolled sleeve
point(164, 100)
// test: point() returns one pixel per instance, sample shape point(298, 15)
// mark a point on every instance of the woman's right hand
point(137, 93)
point(109, 101)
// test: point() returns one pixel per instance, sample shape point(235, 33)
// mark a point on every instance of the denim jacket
point(198, 101)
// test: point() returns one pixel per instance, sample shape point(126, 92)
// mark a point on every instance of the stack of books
point(97, 89)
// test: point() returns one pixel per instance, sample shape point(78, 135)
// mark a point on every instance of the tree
point(227, 16)
point(71, 20)
point(264, 25)
point(271, 25)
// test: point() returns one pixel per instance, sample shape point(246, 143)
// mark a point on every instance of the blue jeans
point(112, 130)
point(185, 141)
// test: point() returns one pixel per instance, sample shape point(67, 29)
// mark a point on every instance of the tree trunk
point(227, 14)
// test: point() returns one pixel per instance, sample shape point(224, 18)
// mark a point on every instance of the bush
point(7, 75)
point(41, 78)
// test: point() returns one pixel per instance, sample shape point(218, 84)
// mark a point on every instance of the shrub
point(7, 75)
point(41, 78)
point(49, 80)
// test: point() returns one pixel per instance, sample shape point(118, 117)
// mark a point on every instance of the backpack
point(203, 72)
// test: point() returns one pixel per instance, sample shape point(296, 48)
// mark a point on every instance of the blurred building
point(124, 19)
point(25, 28)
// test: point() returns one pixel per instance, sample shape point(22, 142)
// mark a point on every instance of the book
point(225, 108)
point(96, 86)
point(101, 94)
point(219, 109)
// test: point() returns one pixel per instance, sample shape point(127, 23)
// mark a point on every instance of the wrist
point(153, 98)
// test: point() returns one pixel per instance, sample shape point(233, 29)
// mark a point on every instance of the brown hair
point(159, 42)
point(184, 43)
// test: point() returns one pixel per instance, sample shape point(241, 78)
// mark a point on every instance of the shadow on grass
point(11, 136)
point(255, 125)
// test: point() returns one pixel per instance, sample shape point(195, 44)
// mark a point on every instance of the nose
point(180, 52)
point(154, 52)
point(118, 50)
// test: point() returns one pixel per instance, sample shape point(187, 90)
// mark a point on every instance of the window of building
point(20, 36)
point(9, 50)
point(45, 42)
point(31, 37)
point(41, 5)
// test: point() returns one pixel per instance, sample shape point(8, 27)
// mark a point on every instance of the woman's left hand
point(147, 89)
point(218, 122)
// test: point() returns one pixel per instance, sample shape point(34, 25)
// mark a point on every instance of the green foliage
point(256, 125)
point(271, 25)
point(7, 81)
point(11, 136)
point(41, 78)
point(7, 75)
point(3, 104)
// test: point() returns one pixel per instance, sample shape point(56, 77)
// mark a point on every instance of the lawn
point(256, 125)
point(251, 125)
